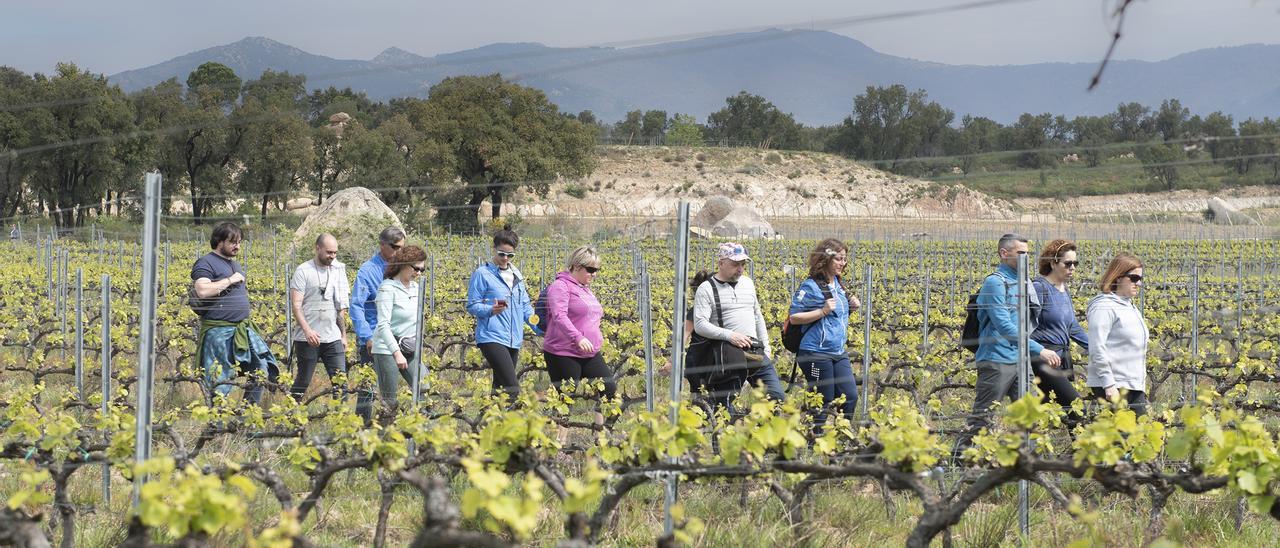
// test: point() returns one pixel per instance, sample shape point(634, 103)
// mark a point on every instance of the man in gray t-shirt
point(319, 296)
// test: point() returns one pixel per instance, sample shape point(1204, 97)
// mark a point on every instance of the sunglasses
point(418, 269)
point(591, 269)
point(509, 255)
point(395, 247)
point(1069, 264)
point(1135, 278)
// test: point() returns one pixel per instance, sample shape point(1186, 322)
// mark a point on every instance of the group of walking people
point(1116, 340)
point(383, 307)
point(729, 344)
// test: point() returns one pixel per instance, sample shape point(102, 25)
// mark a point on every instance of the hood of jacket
point(1111, 299)
point(568, 278)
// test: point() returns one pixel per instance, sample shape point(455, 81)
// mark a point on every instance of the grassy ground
point(738, 513)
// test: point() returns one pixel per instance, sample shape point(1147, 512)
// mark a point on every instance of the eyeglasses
point(509, 255)
point(1069, 264)
point(1135, 278)
point(591, 269)
point(418, 269)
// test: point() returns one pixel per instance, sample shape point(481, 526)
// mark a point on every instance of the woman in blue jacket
point(822, 305)
point(499, 300)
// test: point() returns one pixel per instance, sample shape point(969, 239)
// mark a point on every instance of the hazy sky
point(114, 35)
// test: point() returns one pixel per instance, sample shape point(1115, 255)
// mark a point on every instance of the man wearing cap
point(741, 320)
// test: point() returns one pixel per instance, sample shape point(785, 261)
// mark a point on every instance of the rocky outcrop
point(721, 217)
point(354, 216)
point(1226, 214)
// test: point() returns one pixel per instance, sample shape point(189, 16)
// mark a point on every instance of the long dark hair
point(698, 278)
point(822, 256)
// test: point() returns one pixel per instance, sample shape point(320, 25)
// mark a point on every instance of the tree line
point(75, 145)
point(905, 132)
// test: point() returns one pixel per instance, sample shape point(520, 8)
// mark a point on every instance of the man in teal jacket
point(997, 355)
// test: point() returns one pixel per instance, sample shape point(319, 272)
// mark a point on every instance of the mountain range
point(811, 74)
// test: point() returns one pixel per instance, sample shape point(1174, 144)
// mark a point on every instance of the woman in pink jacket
point(572, 343)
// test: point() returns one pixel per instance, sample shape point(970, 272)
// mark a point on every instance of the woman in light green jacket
point(397, 304)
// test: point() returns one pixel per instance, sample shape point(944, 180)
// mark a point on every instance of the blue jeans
point(723, 393)
point(222, 361)
point(768, 376)
point(832, 376)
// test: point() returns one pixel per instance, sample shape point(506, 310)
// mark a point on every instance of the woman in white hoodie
point(1118, 336)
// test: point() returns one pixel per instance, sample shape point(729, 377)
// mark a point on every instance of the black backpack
point(195, 303)
point(792, 334)
point(540, 310)
point(971, 334)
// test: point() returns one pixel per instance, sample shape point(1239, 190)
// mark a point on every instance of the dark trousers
point(305, 357)
point(832, 376)
point(566, 368)
point(996, 381)
point(1136, 399)
point(722, 392)
point(503, 360)
point(1055, 382)
point(364, 398)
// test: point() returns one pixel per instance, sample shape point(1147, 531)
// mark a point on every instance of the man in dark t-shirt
point(227, 335)
point(215, 269)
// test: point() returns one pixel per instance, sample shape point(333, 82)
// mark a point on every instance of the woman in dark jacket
point(1058, 325)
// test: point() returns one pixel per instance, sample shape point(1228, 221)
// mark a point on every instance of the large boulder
point(743, 222)
point(720, 217)
point(354, 216)
point(299, 204)
point(1226, 214)
point(714, 209)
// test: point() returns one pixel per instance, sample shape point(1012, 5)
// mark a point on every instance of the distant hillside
point(812, 74)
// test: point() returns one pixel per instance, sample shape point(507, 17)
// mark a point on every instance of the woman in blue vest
point(499, 300)
point(822, 307)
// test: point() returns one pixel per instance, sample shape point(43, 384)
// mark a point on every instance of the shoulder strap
point(715, 291)
point(825, 288)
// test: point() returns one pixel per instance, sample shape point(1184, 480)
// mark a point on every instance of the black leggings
point(1056, 382)
point(503, 360)
point(1136, 399)
point(564, 368)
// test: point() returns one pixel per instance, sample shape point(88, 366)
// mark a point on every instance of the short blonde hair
point(582, 256)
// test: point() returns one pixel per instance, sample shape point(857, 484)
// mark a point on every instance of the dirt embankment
point(650, 181)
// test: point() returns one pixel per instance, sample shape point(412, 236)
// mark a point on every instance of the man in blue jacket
point(997, 355)
point(364, 313)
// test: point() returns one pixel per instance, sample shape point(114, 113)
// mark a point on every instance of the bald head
point(326, 249)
